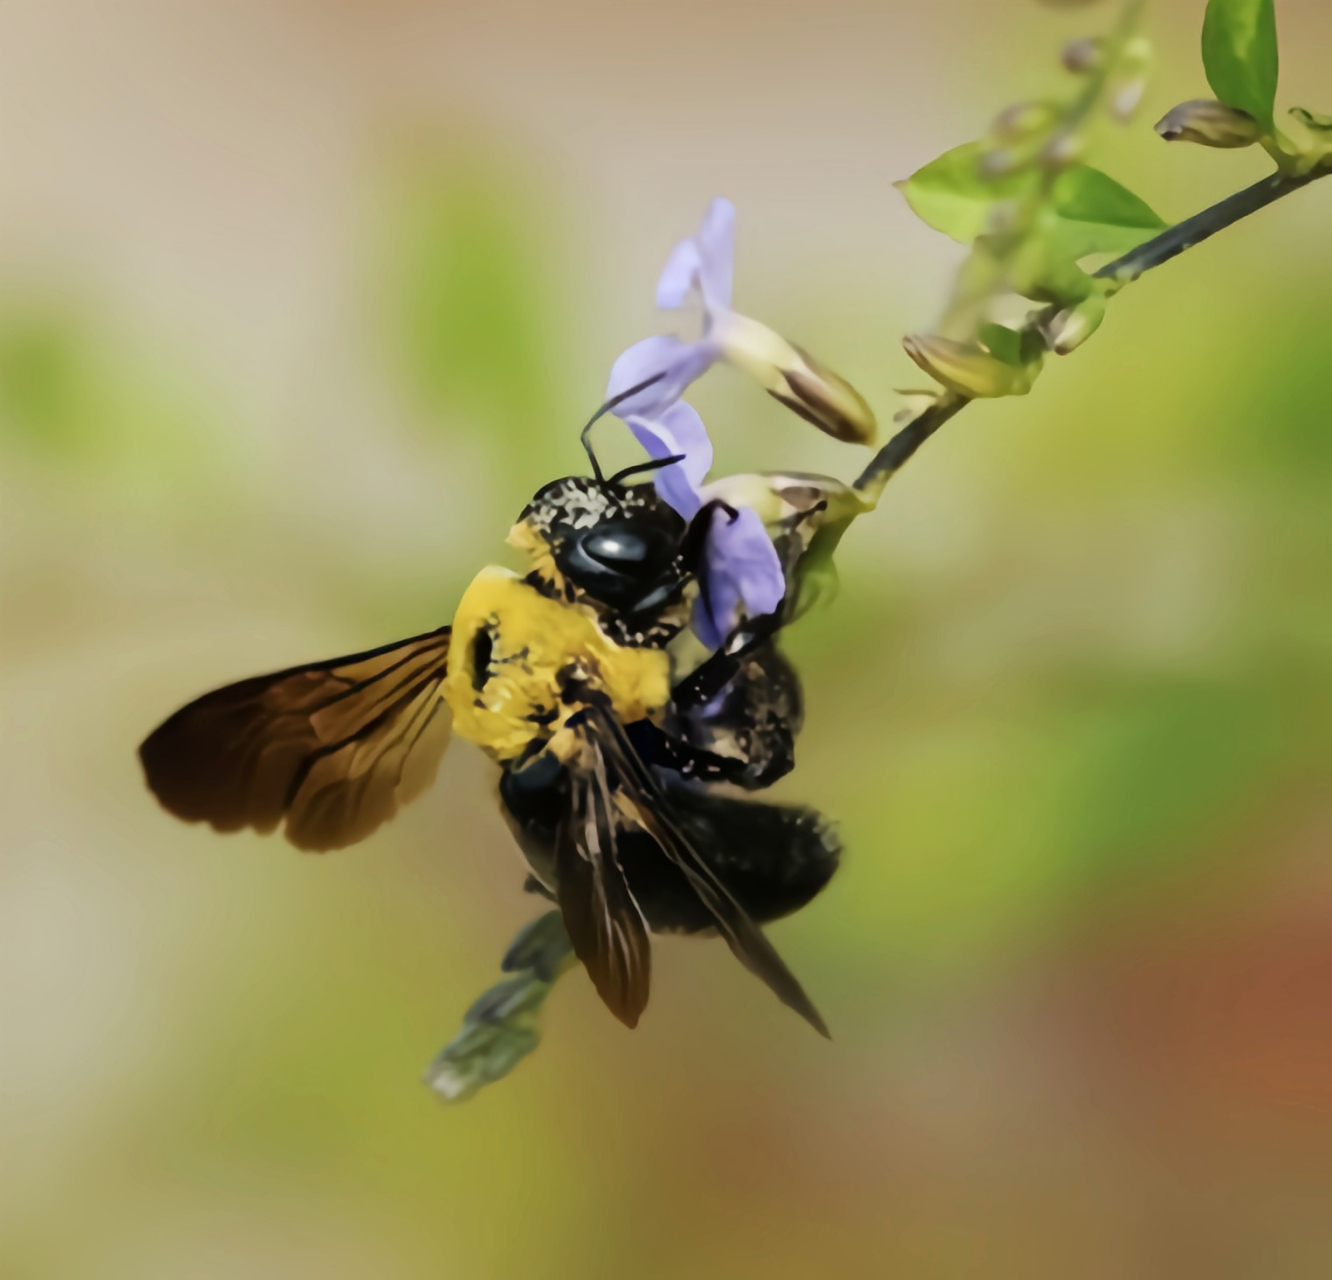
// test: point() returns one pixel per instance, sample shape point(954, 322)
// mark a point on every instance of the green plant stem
point(898, 451)
point(1159, 249)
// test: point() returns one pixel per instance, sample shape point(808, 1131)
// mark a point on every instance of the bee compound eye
point(618, 548)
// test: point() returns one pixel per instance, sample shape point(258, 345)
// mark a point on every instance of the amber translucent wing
point(602, 919)
point(335, 748)
point(653, 811)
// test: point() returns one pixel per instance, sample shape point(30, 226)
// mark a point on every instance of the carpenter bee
point(609, 756)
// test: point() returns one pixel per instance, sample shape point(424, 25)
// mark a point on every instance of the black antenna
point(606, 408)
point(641, 468)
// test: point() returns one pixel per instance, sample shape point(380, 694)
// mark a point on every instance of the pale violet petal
point(676, 492)
point(716, 254)
point(678, 364)
point(710, 612)
point(686, 429)
point(673, 483)
point(679, 276)
point(741, 567)
point(677, 430)
point(750, 557)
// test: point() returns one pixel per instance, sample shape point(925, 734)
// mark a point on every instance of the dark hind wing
point(653, 811)
point(335, 747)
point(602, 919)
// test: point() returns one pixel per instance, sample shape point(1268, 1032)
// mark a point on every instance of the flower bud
point(968, 369)
point(1068, 329)
point(1127, 98)
point(997, 163)
point(1064, 150)
point(1084, 56)
point(1023, 119)
point(790, 374)
point(1312, 119)
point(829, 401)
point(800, 500)
point(1004, 218)
point(1137, 55)
point(1210, 124)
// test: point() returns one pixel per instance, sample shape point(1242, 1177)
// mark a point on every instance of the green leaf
point(1098, 215)
point(1312, 119)
point(952, 194)
point(816, 572)
point(1239, 48)
point(1002, 342)
point(1044, 271)
point(1090, 212)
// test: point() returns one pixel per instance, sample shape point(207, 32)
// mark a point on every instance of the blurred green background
point(299, 302)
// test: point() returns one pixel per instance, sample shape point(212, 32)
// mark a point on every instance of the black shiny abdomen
point(773, 858)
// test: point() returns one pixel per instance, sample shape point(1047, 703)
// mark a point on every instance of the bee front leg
point(716, 671)
point(662, 750)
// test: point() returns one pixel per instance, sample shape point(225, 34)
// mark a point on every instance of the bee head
point(618, 544)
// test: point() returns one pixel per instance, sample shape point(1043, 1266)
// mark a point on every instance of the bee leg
point(657, 747)
point(533, 885)
point(716, 671)
point(696, 535)
point(503, 1025)
point(755, 717)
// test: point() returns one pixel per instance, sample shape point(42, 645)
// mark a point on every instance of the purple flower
point(703, 264)
point(677, 429)
point(741, 572)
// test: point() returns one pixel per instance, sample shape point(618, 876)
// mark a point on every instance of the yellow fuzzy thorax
point(523, 537)
point(537, 645)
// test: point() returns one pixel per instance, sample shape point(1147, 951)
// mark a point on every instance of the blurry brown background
point(298, 304)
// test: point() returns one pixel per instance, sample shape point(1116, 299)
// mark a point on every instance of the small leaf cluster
point(504, 1024)
point(1242, 62)
point(1033, 212)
